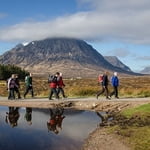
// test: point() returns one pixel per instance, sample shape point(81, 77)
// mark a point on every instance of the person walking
point(60, 86)
point(104, 84)
point(28, 83)
point(11, 84)
point(18, 86)
point(115, 84)
point(53, 85)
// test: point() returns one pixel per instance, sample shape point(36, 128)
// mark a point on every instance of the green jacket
point(28, 81)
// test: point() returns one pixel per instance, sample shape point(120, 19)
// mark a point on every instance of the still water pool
point(45, 129)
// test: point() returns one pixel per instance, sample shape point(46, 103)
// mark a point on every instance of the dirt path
point(100, 139)
point(77, 103)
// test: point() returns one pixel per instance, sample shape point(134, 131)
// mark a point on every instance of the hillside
point(116, 62)
point(73, 57)
point(146, 70)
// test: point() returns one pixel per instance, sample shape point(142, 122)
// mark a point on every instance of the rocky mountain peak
point(73, 57)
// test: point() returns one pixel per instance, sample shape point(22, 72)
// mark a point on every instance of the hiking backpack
point(52, 78)
point(100, 78)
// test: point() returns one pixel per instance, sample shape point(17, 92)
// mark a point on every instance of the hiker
point(104, 84)
point(60, 85)
point(18, 86)
point(115, 84)
point(28, 83)
point(53, 85)
point(12, 116)
point(11, 84)
point(28, 115)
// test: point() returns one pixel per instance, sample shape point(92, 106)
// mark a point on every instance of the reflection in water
point(105, 118)
point(55, 121)
point(12, 116)
point(28, 115)
point(75, 128)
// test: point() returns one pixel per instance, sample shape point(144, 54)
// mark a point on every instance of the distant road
point(77, 103)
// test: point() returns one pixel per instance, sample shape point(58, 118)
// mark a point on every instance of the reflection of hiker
point(115, 84)
point(28, 115)
point(60, 85)
point(104, 118)
point(11, 84)
point(18, 86)
point(53, 85)
point(56, 118)
point(60, 117)
point(28, 83)
point(51, 125)
point(104, 83)
point(12, 116)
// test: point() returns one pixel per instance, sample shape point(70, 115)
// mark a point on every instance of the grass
point(140, 111)
point(129, 87)
point(137, 134)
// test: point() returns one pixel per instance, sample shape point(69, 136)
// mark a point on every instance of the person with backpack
point(11, 84)
point(28, 83)
point(115, 84)
point(104, 82)
point(53, 85)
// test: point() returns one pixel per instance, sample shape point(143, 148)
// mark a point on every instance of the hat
point(115, 73)
point(61, 74)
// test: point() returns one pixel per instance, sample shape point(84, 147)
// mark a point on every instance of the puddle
point(36, 129)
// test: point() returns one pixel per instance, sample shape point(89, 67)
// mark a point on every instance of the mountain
point(116, 62)
point(146, 70)
point(72, 57)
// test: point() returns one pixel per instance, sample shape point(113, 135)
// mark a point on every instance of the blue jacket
point(115, 81)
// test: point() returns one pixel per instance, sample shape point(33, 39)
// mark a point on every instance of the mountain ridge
point(116, 62)
point(73, 57)
point(146, 70)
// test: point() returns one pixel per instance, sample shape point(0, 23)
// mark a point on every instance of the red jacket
point(53, 85)
point(60, 82)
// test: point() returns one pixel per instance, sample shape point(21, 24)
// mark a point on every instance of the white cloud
point(126, 21)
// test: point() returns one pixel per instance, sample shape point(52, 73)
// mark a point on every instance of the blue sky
point(117, 28)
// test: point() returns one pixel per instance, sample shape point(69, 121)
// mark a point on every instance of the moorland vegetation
point(134, 86)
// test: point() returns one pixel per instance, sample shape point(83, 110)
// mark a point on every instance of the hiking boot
point(108, 97)
point(96, 96)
